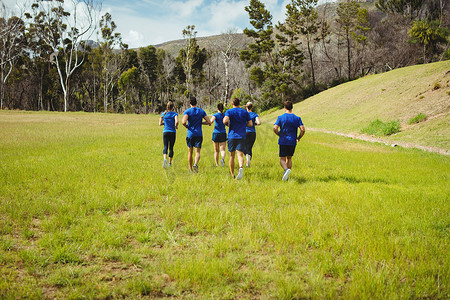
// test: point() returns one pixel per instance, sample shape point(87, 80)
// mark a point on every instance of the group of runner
point(241, 134)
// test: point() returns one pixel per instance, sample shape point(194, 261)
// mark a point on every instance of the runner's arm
point(184, 120)
point(207, 121)
point(226, 120)
point(276, 129)
point(302, 132)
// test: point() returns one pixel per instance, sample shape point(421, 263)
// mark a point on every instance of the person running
point(286, 128)
point(169, 119)
point(219, 136)
point(250, 133)
point(192, 120)
point(237, 119)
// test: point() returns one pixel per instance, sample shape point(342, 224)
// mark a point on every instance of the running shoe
point(249, 159)
point(286, 174)
point(240, 174)
point(165, 163)
point(195, 168)
point(222, 162)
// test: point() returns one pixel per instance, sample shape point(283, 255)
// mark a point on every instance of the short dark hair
point(220, 107)
point(236, 101)
point(192, 100)
point(288, 105)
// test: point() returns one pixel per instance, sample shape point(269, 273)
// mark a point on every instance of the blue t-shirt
point(169, 121)
point(195, 118)
point(288, 124)
point(238, 122)
point(219, 127)
point(253, 116)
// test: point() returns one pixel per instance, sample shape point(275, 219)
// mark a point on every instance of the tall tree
point(302, 19)
point(65, 33)
point(112, 63)
point(12, 45)
point(428, 34)
point(148, 63)
point(347, 12)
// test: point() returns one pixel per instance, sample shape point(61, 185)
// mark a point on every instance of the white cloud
point(185, 9)
point(224, 15)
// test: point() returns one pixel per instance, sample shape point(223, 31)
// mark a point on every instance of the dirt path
point(386, 142)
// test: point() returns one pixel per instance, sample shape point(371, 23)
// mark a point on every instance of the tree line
point(59, 60)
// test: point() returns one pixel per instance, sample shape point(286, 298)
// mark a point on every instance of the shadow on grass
point(331, 178)
point(349, 179)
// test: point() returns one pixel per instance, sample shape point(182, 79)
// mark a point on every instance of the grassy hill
point(400, 94)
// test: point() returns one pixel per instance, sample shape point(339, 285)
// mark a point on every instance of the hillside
point(209, 42)
point(400, 94)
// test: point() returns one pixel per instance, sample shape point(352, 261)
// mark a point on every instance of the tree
point(406, 8)
point(148, 62)
point(302, 19)
point(190, 61)
point(188, 57)
point(65, 33)
point(12, 45)
point(112, 63)
point(428, 34)
point(347, 17)
point(128, 85)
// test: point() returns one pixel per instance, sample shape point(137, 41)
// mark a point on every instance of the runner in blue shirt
point(237, 119)
point(250, 135)
point(193, 120)
point(286, 128)
point(169, 119)
point(219, 136)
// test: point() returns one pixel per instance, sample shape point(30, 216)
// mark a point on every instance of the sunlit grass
point(86, 211)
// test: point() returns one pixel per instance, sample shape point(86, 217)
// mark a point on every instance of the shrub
point(379, 128)
point(417, 119)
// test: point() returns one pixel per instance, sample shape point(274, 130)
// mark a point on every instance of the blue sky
point(151, 22)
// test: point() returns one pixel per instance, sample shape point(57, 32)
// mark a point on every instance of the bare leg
point(222, 149)
point(240, 156)
point(283, 162)
point(289, 162)
point(190, 151)
point(197, 155)
point(216, 153)
point(231, 163)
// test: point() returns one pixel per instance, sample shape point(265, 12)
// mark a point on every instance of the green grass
point(86, 211)
point(420, 117)
point(380, 128)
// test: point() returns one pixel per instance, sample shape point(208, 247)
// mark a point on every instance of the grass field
point(86, 211)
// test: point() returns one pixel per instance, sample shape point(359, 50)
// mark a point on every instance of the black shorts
point(219, 137)
point(286, 150)
point(195, 141)
point(237, 144)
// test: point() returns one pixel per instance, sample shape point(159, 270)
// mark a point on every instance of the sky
point(151, 22)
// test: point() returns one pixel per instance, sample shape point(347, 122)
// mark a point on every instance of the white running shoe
point(165, 163)
point(240, 174)
point(195, 168)
point(286, 174)
point(249, 159)
point(222, 162)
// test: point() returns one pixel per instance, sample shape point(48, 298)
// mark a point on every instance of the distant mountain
point(173, 47)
